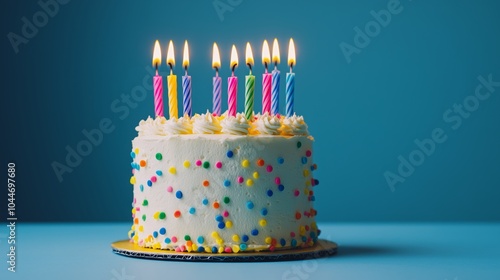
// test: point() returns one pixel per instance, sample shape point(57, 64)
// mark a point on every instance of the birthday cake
point(223, 184)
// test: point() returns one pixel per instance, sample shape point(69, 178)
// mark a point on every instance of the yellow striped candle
point(172, 83)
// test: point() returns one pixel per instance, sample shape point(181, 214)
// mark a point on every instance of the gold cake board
point(323, 248)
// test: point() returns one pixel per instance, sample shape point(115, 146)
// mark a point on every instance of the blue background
point(363, 114)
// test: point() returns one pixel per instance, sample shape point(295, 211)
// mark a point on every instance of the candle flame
point(265, 53)
point(170, 54)
point(291, 54)
point(234, 57)
point(157, 54)
point(249, 55)
point(185, 57)
point(276, 52)
point(215, 57)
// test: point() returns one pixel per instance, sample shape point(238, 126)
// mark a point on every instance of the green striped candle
point(249, 84)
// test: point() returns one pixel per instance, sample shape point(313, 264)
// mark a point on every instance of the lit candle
point(290, 80)
point(266, 80)
point(172, 83)
point(275, 92)
point(157, 81)
point(217, 82)
point(232, 85)
point(249, 84)
point(186, 83)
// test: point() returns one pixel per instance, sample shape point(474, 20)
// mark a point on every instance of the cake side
point(222, 192)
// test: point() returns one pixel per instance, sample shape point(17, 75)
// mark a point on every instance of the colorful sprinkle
point(204, 201)
point(256, 175)
point(243, 246)
point(187, 237)
point(281, 188)
point(282, 242)
point(239, 179)
point(269, 168)
point(304, 160)
point(167, 240)
point(145, 202)
point(216, 205)
point(163, 231)
point(200, 239)
point(162, 215)
point(155, 234)
point(269, 193)
point(293, 242)
point(186, 164)
point(172, 170)
point(225, 213)
point(177, 214)
point(149, 183)
point(308, 153)
point(206, 164)
point(174, 239)
point(170, 189)
point(244, 238)
point(228, 250)
point(144, 217)
point(153, 179)
point(206, 183)
point(306, 172)
point(263, 211)
point(236, 238)
point(299, 144)
point(229, 154)
point(198, 163)
point(156, 215)
point(192, 210)
point(229, 224)
point(281, 160)
point(263, 222)
point(268, 240)
point(178, 194)
point(250, 205)
point(219, 218)
point(227, 183)
point(132, 180)
point(260, 162)
point(159, 156)
point(221, 225)
point(297, 215)
point(245, 163)
point(226, 200)
point(296, 192)
point(292, 234)
point(132, 154)
point(141, 187)
point(159, 172)
point(218, 164)
point(249, 182)
point(142, 163)
point(254, 232)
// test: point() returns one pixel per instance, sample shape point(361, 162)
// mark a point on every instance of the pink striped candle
point(232, 85)
point(266, 80)
point(157, 81)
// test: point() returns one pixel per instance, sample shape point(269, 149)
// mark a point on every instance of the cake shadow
point(377, 250)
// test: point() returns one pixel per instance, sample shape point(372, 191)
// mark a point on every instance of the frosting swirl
point(294, 125)
point(266, 124)
point(178, 126)
point(235, 125)
point(206, 124)
point(150, 127)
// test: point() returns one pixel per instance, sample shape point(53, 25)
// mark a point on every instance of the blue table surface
point(366, 251)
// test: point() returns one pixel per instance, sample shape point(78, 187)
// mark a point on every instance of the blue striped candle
point(290, 89)
point(186, 91)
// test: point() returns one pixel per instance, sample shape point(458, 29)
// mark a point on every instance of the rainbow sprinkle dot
point(204, 201)
point(227, 183)
point(158, 156)
point(172, 170)
point(170, 189)
point(249, 205)
point(299, 144)
point(244, 238)
point(245, 163)
point(155, 234)
point(218, 164)
point(249, 182)
point(260, 162)
point(159, 172)
point(206, 164)
point(254, 232)
point(229, 224)
point(163, 231)
point(132, 154)
point(263, 211)
point(243, 246)
point(186, 164)
point(198, 163)
point(200, 239)
point(167, 240)
point(229, 154)
point(219, 218)
point(145, 202)
point(281, 188)
point(178, 194)
point(192, 210)
point(308, 153)
point(256, 175)
point(162, 215)
point(226, 200)
point(221, 225)
point(281, 160)
point(282, 242)
point(263, 222)
point(236, 238)
point(269, 168)
point(269, 193)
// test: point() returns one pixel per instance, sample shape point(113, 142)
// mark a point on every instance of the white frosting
point(294, 125)
point(206, 124)
point(150, 127)
point(267, 124)
point(235, 125)
point(178, 126)
point(261, 151)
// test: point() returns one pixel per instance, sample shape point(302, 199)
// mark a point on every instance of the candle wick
point(275, 65)
point(234, 66)
point(216, 71)
point(265, 65)
point(171, 70)
point(291, 67)
point(186, 70)
point(156, 67)
point(250, 66)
